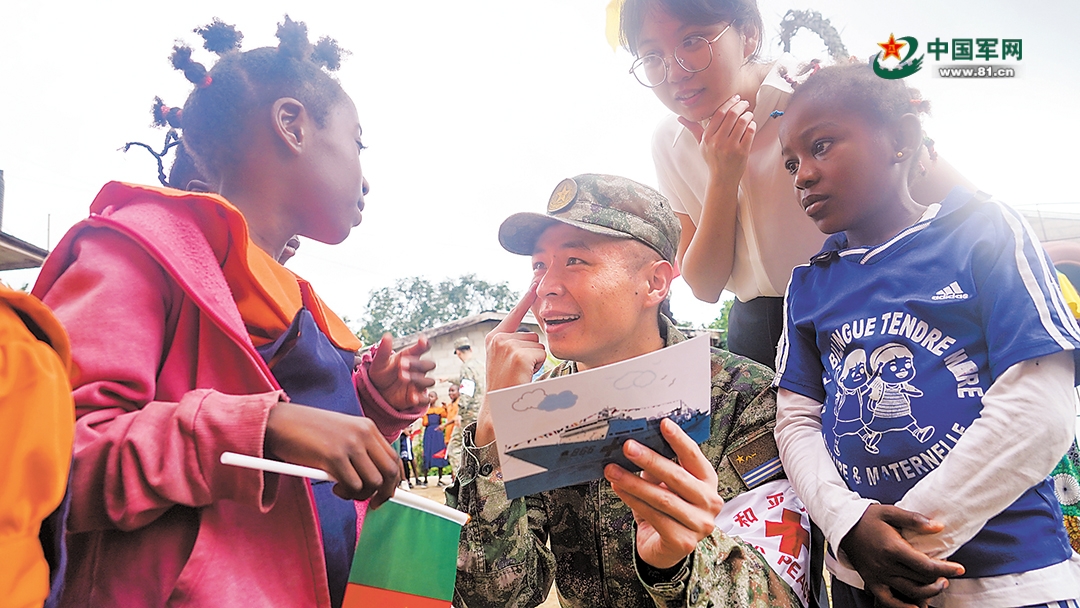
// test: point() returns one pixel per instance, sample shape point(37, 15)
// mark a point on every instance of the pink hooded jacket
point(167, 380)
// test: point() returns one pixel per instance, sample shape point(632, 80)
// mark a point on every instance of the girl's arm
point(833, 507)
point(392, 387)
point(866, 531)
point(1028, 421)
point(708, 251)
point(136, 456)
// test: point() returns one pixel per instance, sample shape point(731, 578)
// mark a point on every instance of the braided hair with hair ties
point(164, 116)
point(855, 87)
point(220, 37)
point(183, 169)
point(194, 71)
point(795, 20)
point(217, 112)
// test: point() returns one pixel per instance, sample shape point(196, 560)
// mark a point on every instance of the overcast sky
point(475, 110)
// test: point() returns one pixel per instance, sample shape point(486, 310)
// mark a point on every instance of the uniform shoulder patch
point(757, 461)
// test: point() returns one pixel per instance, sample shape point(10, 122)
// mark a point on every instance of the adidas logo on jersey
point(952, 291)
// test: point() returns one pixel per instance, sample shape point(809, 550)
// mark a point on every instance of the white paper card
point(562, 431)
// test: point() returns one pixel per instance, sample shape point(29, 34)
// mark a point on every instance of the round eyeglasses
point(694, 55)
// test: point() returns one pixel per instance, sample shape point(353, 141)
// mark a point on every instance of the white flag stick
point(402, 497)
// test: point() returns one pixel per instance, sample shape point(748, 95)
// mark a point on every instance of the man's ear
point(907, 137)
point(661, 273)
point(291, 123)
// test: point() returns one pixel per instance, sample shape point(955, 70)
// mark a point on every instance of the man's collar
point(669, 332)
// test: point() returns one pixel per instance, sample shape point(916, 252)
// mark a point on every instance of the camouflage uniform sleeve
point(725, 572)
point(503, 559)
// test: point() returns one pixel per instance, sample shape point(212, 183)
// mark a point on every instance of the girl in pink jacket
point(191, 340)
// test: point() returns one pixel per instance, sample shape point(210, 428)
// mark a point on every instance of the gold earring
point(899, 155)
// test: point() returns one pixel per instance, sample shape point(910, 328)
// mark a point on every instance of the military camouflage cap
point(602, 204)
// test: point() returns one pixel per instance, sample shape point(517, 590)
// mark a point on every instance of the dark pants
point(754, 328)
point(846, 596)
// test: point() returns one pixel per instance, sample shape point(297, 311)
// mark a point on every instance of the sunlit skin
point(590, 300)
point(846, 171)
point(300, 178)
point(696, 96)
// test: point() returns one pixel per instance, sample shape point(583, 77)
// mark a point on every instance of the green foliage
point(720, 323)
point(414, 304)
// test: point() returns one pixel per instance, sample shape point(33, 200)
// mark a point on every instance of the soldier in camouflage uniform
point(664, 552)
point(470, 376)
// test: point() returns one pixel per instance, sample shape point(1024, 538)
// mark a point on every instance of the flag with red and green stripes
point(407, 555)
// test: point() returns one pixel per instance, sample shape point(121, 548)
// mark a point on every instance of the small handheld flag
point(395, 542)
point(406, 532)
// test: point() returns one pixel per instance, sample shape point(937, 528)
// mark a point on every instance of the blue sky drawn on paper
point(635, 380)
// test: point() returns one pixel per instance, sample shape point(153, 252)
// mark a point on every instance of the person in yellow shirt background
point(37, 429)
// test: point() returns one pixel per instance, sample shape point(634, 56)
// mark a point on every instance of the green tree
point(720, 323)
point(414, 304)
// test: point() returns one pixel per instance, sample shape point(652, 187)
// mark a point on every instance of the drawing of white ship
point(604, 432)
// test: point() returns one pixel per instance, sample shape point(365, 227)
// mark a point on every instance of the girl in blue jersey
point(974, 355)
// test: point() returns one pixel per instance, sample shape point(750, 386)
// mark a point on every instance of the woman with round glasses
point(718, 158)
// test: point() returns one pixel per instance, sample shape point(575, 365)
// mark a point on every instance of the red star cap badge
point(892, 47)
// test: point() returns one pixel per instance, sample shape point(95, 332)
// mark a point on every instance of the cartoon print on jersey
point(893, 368)
point(849, 412)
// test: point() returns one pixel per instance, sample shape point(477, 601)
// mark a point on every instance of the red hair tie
point(206, 82)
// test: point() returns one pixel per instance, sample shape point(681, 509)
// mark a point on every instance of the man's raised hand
point(512, 358)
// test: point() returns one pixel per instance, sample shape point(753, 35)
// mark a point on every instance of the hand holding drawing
point(401, 377)
point(512, 358)
point(888, 564)
point(350, 448)
point(675, 504)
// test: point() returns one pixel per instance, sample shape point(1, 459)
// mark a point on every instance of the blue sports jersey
point(900, 341)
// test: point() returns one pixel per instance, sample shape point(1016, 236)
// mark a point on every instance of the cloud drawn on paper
point(635, 380)
point(529, 400)
point(540, 400)
point(559, 401)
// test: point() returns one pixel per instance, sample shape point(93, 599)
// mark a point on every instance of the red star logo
point(892, 47)
point(793, 536)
